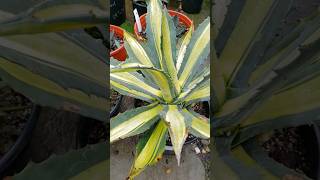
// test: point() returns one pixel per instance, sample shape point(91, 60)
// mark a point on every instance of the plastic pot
point(182, 19)
point(9, 158)
point(120, 53)
point(192, 6)
point(117, 12)
point(141, 7)
point(115, 109)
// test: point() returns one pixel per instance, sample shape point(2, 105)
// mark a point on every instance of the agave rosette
point(170, 79)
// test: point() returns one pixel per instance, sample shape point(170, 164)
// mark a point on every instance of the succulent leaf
point(134, 121)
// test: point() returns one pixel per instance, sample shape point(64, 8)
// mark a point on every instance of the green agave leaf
point(268, 125)
point(176, 121)
point(287, 49)
point(48, 93)
point(153, 31)
point(133, 84)
point(133, 122)
point(50, 16)
point(136, 50)
point(183, 47)
point(161, 78)
point(196, 53)
point(150, 149)
point(57, 62)
point(192, 91)
point(260, 42)
point(236, 163)
point(168, 62)
point(260, 156)
point(296, 100)
point(248, 26)
point(199, 125)
point(90, 161)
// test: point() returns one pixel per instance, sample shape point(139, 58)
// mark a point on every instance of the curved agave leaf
point(287, 49)
point(90, 161)
point(150, 149)
point(245, 29)
point(133, 85)
point(183, 47)
point(133, 122)
point(239, 164)
point(199, 125)
point(136, 50)
point(192, 91)
point(50, 16)
point(177, 127)
point(161, 78)
point(169, 48)
point(153, 31)
point(75, 86)
point(46, 92)
point(197, 51)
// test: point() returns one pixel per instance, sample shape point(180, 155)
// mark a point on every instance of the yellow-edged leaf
point(154, 18)
point(169, 48)
point(199, 125)
point(136, 48)
point(183, 47)
point(133, 122)
point(177, 129)
point(161, 78)
point(199, 49)
point(151, 151)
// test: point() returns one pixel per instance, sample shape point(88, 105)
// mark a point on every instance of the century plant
point(46, 55)
point(265, 77)
point(171, 79)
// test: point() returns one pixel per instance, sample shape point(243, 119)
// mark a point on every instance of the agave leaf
point(131, 83)
point(50, 16)
point(90, 161)
point(218, 83)
point(46, 92)
point(202, 83)
point(177, 128)
point(265, 126)
point(260, 43)
point(298, 99)
point(257, 153)
point(199, 125)
point(197, 52)
point(246, 29)
point(133, 122)
point(183, 47)
point(150, 149)
point(161, 78)
point(136, 50)
point(236, 163)
point(287, 49)
point(169, 48)
point(153, 31)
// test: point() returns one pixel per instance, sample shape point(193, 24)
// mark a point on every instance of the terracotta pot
point(182, 19)
point(120, 53)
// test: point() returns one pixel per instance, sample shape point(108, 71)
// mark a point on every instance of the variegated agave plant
point(170, 79)
point(265, 77)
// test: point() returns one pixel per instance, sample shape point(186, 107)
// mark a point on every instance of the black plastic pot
point(115, 109)
point(9, 158)
point(192, 6)
point(117, 12)
point(141, 7)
